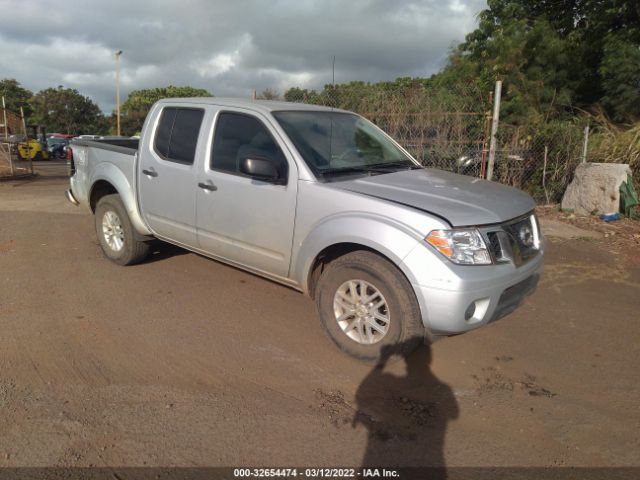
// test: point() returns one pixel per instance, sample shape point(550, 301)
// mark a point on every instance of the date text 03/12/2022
point(315, 473)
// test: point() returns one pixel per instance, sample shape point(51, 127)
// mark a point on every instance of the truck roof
point(256, 105)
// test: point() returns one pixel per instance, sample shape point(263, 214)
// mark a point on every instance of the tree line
point(557, 58)
point(65, 110)
point(59, 109)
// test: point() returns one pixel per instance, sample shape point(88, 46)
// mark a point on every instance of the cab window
point(177, 134)
point(239, 136)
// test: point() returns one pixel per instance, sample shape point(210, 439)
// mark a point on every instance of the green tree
point(268, 94)
point(65, 110)
point(620, 73)
point(296, 94)
point(555, 55)
point(134, 110)
point(15, 96)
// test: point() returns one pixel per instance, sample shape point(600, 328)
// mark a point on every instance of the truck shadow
point(406, 416)
point(162, 250)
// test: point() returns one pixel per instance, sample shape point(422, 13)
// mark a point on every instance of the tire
point(116, 234)
point(357, 276)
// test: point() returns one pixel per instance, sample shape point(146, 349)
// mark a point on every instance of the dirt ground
point(18, 170)
point(184, 361)
point(620, 237)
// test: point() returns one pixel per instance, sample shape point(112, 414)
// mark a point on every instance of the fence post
point(4, 114)
point(585, 144)
point(6, 135)
point(544, 174)
point(494, 128)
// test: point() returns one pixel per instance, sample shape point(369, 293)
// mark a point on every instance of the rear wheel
point(368, 307)
point(116, 234)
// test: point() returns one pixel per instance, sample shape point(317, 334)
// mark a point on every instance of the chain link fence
point(440, 127)
point(450, 129)
point(540, 161)
point(12, 132)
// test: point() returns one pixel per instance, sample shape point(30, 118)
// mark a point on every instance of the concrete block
point(595, 188)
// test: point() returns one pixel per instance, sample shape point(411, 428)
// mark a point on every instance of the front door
point(242, 219)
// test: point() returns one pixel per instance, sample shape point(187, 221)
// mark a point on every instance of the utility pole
point(118, 53)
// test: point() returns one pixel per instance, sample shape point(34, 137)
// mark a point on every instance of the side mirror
point(261, 168)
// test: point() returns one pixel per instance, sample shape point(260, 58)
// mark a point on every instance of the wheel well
point(99, 190)
point(328, 255)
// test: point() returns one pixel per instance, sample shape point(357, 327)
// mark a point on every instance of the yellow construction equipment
point(35, 148)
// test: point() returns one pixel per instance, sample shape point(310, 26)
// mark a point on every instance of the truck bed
point(121, 145)
point(111, 159)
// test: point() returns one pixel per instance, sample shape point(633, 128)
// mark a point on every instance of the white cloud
point(228, 48)
point(457, 6)
point(213, 67)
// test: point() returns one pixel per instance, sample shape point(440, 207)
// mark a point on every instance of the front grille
point(495, 248)
point(515, 241)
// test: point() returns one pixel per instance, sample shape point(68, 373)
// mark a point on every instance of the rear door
point(167, 173)
point(245, 220)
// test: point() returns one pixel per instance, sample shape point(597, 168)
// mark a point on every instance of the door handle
point(208, 186)
point(150, 172)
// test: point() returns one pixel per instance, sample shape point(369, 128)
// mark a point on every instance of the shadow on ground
point(406, 416)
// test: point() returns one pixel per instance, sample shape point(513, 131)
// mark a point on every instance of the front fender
point(381, 234)
point(112, 174)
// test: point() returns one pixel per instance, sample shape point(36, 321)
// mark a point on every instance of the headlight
point(461, 246)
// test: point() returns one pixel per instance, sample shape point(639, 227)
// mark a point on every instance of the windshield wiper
point(346, 170)
point(377, 168)
point(382, 167)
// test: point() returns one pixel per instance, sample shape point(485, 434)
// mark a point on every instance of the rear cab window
point(176, 136)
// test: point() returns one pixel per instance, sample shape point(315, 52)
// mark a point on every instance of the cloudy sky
point(228, 47)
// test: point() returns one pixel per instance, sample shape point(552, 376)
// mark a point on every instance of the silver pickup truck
point(320, 200)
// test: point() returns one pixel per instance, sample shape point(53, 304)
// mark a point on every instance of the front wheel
point(368, 307)
point(116, 234)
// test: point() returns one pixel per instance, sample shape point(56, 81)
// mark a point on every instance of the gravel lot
point(185, 361)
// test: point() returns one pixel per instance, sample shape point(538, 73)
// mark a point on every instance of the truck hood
point(459, 199)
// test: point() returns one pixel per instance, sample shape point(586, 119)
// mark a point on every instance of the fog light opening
point(470, 311)
point(477, 310)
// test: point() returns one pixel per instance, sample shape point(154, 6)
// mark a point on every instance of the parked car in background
point(57, 147)
point(89, 137)
point(471, 164)
point(320, 200)
point(68, 136)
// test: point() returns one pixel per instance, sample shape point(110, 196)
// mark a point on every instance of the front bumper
point(69, 194)
point(454, 298)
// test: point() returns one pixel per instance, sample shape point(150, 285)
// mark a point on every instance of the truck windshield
point(337, 143)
